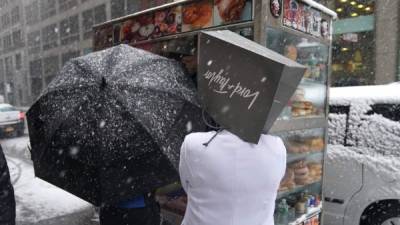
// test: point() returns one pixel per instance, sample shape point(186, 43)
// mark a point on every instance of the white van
point(362, 167)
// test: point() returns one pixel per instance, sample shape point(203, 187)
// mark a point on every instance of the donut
point(301, 171)
point(198, 14)
point(230, 10)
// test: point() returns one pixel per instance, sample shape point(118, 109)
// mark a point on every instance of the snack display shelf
point(299, 189)
point(311, 213)
point(296, 157)
point(299, 123)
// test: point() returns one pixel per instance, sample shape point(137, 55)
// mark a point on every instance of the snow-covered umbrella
point(110, 125)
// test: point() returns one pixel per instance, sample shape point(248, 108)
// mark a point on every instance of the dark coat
point(7, 200)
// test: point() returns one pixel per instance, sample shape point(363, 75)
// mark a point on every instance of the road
point(39, 202)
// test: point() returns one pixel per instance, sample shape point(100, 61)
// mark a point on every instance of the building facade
point(366, 42)
point(37, 37)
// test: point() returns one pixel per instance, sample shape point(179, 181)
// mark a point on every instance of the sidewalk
point(39, 202)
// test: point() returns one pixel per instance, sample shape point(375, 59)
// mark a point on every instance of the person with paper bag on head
point(232, 175)
point(230, 181)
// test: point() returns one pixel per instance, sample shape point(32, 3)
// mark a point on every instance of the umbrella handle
point(212, 138)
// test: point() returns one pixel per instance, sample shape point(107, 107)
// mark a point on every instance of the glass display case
point(298, 29)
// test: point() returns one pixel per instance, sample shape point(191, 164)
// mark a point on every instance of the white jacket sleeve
point(184, 172)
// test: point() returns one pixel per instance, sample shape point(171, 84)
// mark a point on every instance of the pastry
point(291, 52)
point(287, 182)
point(303, 180)
point(316, 144)
point(298, 95)
point(197, 14)
point(296, 112)
point(301, 173)
point(302, 105)
point(296, 147)
point(315, 170)
point(230, 10)
point(314, 166)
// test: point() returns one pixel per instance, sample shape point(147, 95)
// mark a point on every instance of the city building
point(366, 42)
point(37, 37)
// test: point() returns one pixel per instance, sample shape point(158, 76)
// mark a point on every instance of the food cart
point(300, 30)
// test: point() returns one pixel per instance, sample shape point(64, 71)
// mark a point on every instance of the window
point(1, 70)
point(50, 36)
point(69, 30)
point(17, 39)
point(117, 8)
point(32, 13)
point(69, 55)
point(5, 20)
point(7, 42)
point(47, 8)
point(18, 61)
point(35, 70)
point(100, 14)
point(389, 111)
point(8, 62)
point(15, 15)
point(7, 109)
point(91, 17)
point(3, 3)
point(87, 23)
point(34, 42)
point(64, 5)
point(50, 67)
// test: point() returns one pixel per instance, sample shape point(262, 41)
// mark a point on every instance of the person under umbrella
point(7, 199)
point(108, 128)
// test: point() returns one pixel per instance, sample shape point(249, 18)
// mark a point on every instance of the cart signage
point(275, 7)
point(238, 82)
point(301, 17)
point(178, 18)
point(222, 85)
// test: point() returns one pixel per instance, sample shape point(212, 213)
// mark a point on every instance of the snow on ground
point(36, 199)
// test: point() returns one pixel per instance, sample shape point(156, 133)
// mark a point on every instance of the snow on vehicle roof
point(388, 94)
point(3, 105)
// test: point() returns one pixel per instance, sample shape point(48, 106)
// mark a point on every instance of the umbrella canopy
point(243, 85)
point(110, 125)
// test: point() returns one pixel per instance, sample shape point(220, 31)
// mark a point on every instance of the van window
point(389, 111)
point(339, 109)
point(7, 109)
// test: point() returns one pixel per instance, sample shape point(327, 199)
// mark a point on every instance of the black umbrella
point(110, 125)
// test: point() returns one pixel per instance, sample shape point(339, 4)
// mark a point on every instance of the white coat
point(231, 182)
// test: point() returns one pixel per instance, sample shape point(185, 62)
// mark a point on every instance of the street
point(39, 202)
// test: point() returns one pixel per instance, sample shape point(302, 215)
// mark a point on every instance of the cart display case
point(298, 29)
